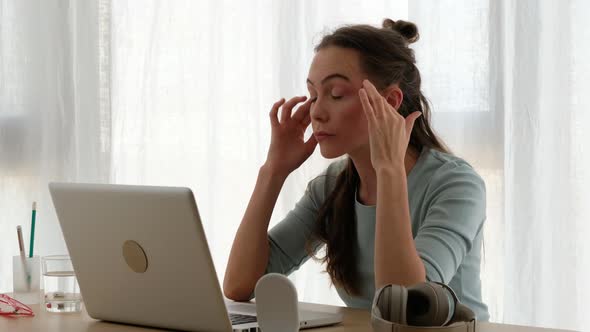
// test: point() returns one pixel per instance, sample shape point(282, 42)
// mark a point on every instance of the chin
point(331, 153)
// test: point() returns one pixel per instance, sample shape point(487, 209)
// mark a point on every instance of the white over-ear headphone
point(427, 306)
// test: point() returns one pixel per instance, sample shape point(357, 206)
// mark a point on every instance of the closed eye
point(313, 100)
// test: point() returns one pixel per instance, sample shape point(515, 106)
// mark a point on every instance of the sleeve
point(454, 218)
point(288, 238)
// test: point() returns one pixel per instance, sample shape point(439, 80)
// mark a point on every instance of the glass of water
point(62, 293)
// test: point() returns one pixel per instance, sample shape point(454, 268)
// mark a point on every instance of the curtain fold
point(178, 93)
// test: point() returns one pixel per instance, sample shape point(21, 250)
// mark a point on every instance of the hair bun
point(408, 30)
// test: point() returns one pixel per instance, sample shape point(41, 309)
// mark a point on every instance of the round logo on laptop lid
point(135, 256)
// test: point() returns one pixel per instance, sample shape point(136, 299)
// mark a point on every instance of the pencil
point(32, 241)
point(21, 247)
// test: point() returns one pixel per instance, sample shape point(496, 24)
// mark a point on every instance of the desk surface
point(354, 320)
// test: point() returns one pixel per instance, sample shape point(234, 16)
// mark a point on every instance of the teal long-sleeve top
point(447, 201)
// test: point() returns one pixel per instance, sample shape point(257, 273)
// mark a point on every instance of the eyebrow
point(329, 77)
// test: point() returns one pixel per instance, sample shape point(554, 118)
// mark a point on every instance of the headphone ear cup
point(429, 304)
point(392, 304)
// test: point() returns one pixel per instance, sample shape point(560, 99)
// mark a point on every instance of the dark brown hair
point(386, 58)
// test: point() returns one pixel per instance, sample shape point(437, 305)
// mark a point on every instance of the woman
point(399, 210)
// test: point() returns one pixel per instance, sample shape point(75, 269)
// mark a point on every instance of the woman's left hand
point(389, 131)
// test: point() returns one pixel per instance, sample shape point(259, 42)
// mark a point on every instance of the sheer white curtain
point(178, 93)
point(54, 113)
point(507, 80)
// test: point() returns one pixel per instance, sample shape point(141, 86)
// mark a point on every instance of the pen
point(21, 246)
point(32, 240)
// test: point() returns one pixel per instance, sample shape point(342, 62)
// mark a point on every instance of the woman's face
point(334, 80)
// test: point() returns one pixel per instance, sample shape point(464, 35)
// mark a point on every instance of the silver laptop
point(141, 257)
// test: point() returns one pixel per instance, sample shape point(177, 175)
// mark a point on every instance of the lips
point(322, 135)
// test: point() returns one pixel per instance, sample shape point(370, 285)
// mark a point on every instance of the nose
point(318, 112)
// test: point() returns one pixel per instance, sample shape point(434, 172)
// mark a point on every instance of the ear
point(394, 96)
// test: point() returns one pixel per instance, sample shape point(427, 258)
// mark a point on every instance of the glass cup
point(62, 293)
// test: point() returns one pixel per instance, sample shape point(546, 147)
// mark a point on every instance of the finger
point(375, 98)
point(274, 120)
point(303, 110)
point(393, 110)
point(310, 144)
point(367, 108)
point(410, 120)
point(288, 106)
point(306, 121)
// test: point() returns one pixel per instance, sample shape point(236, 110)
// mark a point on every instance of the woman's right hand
point(287, 149)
